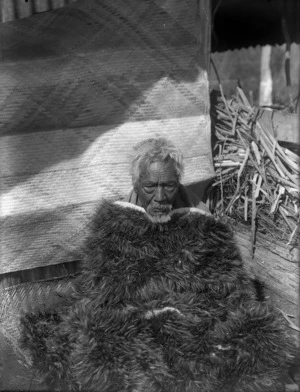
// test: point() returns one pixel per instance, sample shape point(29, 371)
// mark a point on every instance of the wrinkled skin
point(157, 188)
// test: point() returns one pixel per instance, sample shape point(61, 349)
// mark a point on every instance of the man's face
point(157, 188)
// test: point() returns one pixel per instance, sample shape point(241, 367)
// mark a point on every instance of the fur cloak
point(159, 308)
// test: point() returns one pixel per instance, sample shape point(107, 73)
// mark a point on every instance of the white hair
point(153, 150)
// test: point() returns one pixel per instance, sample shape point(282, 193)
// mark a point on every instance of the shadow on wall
point(79, 86)
point(94, 65)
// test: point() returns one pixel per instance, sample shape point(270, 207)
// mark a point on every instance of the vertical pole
point(287, 63)
point(266, 82)
point(8, 10)
point(203, 31)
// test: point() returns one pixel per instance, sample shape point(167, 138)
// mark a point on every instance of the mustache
point(159, 209)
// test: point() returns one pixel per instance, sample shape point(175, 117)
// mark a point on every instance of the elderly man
point(157, 169)
point(162, 303)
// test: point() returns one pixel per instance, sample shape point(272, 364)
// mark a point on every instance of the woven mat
point(79, 87)
point(25, 297)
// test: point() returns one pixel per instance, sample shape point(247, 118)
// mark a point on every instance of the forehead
point(159, 172)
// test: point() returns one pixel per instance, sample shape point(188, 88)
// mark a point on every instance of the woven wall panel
point(79, 87)
point(95, 89)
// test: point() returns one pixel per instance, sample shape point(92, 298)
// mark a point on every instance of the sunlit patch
point(155, 312)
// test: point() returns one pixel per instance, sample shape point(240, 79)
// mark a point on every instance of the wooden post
point(204, 33)
point(266, 83)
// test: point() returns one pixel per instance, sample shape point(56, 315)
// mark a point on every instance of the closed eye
point(170, 188)
point(149, 188)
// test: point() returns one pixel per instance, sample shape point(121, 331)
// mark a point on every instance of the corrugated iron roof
point(16, 9)
point(236, 23)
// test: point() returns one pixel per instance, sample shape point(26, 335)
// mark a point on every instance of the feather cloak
point(159, 308)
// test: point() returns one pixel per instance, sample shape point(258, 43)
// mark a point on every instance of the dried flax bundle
point(257, 181)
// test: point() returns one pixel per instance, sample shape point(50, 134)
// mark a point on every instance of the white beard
point(159, 218)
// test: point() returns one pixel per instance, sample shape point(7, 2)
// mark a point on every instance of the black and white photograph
point(150, 195)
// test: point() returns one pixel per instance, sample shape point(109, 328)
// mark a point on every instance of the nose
point(160, 196)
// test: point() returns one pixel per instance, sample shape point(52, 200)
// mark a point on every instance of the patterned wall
point(79, 87)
